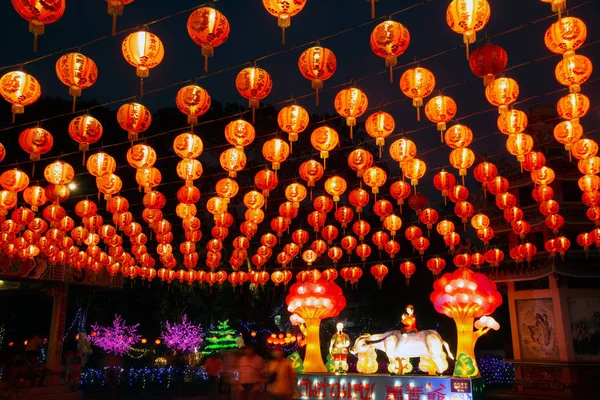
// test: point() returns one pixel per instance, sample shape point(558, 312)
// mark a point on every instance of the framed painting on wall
point(537, 333)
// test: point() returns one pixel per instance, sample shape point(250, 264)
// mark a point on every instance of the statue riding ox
point(400, 347)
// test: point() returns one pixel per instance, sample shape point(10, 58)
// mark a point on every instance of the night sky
point(518, 26)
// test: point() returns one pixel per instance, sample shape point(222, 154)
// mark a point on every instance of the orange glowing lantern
point(573, 71)
point(141, 156)
point(389, 40)
point(227, 188)
point(188, 145)
point(266, 180)
point(351, 103)
point(380, 125)
point(400, 190)
point(295, 192)
point(36, 141)
point(402, 151)
point(519, 145)
point(414, 170)
point(335, 186)
point(193, 101)
point(379, 272)
point(440, 110)
point(134, 118)
point(501, 93)
point(543, 176)
point(436, 265)
point(284, 11)
point(208, 28)
point(417, 83)
point(512, 121)
point(101, 164)
point(329, 233)
point(85, 130)
point(392, 223)
point(148, 178)
point(275, 151)
point(573, 106)
point(464, 210)
point(35, 196)
point(233, 161)
point(487, 61)
point(360, 160)
point(444, 181)
point(374, 177)
point(466, 17)
point(462, 159)
point(20, 89)
point(323, 204)
point(317, 64)
point(413, 232)
point(144, 51)
point(293, 119)
point(584, 149)
point(39, 13)
point(429, 217)
point(408, 268)
point(324, 140)
point(253, 84)
point(382, 208)
point(240, 133)
point(254, 199)
point(189, 170)
point(392, 248)
point(359, 198)
point(109, 185)
point(59, 173)
point(567, 133)
point(565, 36)
point(363, 250)
point(458, 136)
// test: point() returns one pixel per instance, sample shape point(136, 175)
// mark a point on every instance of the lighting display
point(116, 339)
point(222, 337)
point(183, 336)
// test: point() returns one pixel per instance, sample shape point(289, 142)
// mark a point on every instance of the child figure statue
point(338, 348)
point(409, 320)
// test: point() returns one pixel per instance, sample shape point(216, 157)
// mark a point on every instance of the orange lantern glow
point(59, 173)
point(85, 130)
point(20, 89)
point(284, 11)
point(573, 71)
point(389, 40)
point(134, 118)
point(208, 28)
point(565, 36)
point(240, 133)
point(233, 161)
point(392, 223)
point(512, 121)
point(400, 190)
point(584, 149)
point(253, 84)
point(266, 180)
point(36, 141)
point(444, 181)
point(573, 106)
point(436, 265)
point(487, 61)
point(414, 170)
point(335, 186)
point(462, 159)
point(408, 268)
point(141, 156)
point(351, 103)
point(380, 125)
point(101, 164)
point(275, 151)
point(374, 177)
point(144, 51)
point(109, 185)
point(293, 119)
point(501, 93)
point(360, 160)
point(458, 136)
point(189, 170)
point(324, 139)
point(466, 17)
point(317, 64)
point(440, 110)
point(39, 13)
point(417, 83)
point(188, 145)
point(519, 145)
point(295, 192)
point(402, 151)
point(567, 133)
point(77, 72)
point(193, 101)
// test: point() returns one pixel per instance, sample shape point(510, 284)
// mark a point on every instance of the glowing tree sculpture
point(116, 339)
point(222, 337)
point(310, 302)
point(182, 337)
point(465, 295)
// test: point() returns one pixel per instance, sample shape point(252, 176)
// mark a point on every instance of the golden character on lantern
point(208, 28)
point(189, 169)
point(360, 160)
point(36, 141)
point(416, 84)
point(253, 84)
point(141, 156)
point(458, 136)
point(240, 133)
point(335, 186)
point(351, 103)
point(233, 161)
point(414, 170)
point(565, 36)
point(389, 40)
point(324, 139)
point(77, 72)
point(19, 89)
point(440, 110)
point(293, 119)
point(193, 101)
point(466, 17)
point(144, 51)
point(375, 177)
point(188, 145)
point(134, 118)
point(284, 11)
point(317, 64)
point(501, 93)
point(311, 171)
point(462, 159)
point(85, 130)
point(573, 71)
point(573, 106)
point(275, 151)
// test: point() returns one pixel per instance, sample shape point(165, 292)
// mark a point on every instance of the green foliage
point(221, 337)
point(330, 364)
point(465, 366)
point(296, 361)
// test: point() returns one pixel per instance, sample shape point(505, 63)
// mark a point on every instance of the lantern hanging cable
point(195, 79)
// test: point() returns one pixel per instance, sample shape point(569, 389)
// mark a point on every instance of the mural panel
point(537, 333)
point(584, 313)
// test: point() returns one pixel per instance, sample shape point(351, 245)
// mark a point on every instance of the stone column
point(57, 331)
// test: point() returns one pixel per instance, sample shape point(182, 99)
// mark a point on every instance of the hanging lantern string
point(195, 79)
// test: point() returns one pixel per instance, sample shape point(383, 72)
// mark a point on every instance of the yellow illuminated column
point(313, 361)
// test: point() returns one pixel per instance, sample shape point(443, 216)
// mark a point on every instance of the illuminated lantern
point(466, 17)
point(414, 170)
point(361, 228)
point(444, 181)
point(573, 106)
point(293, 119)
point(300, 236)
point(349, 243)
point(148, 178)
point(589, 166)
point(109, 185)
point(408, 268)
point(344, 215)
point(380, 238)
point(485, 172)
point(374, 177)
point(584, 149)
point(227, 188)
point(555, 222)
point(335, 186)
point(59, 173)
point(20, 89)
point(266, 180)
point(464, 210)
point(253, 84)
point(416, 84)
point(392, 223)
point(363, 250)
point(392, 248)
point(360, 160)
point(389, 40)
point(379, 272)
point(429, 217)
point(501, 93)
point(153, 200)
point(591, 199)
point(316, 219)
point(233, 161)
point(351, 103)
point(329, 233)
point(549, 207)
point(36, 141)
point(287, 211)
point(480, 221)
point(400, 190)
point(521, 228)
point(216, 206)
point(77, 72)
point(317, 64)
point(193, 101)
point(573, 71)
point(402, 151)
point(593, 214)
point(562, 244)
point(295, 193)
point(494, 257)
point(533, 161)
point(208, 28)
point(487, 61)
point(584, 240)
point(513, 214)
point(309, 257)
point(462, 159)
point(141, 156)
point(134, 118)
point(275, 151)
point(188, 145)
point(57, 193)
point(565, 36)
point(144, 51)
point(323, 204)
point(85, 130)
point(413, 232)
point(436, 265)
point(421, 244)
point(567, 133)
point(284, 11)
point(380, 125)
point(512, 121)
point(485, 235)
point(519, 145)
point(189, 170)
point(462, 260)
point(311, 171)
point(101, 164)
point(240, 134)
point(382, 208)
point(542, 193)
point(254, 199)
point(418, 202)
point(543, 176)
point(589, 183)
point(279, 225)
point(8, 200)
point(324, 139)
point(359, 198)
point(440, 110)
point(458, 136)
point(39, 13)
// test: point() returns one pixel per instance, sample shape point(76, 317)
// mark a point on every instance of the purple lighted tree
point(116, 339)
point(182, 337)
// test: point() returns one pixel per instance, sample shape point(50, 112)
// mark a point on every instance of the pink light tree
point(182, 337)
point(116, 339)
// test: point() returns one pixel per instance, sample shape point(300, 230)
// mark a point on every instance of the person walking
point(213, 368)
point(251, 370)
point(281, 376)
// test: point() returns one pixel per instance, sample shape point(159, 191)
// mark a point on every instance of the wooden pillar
point(54, 366)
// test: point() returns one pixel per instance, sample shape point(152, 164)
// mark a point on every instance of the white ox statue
point(399, 348)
